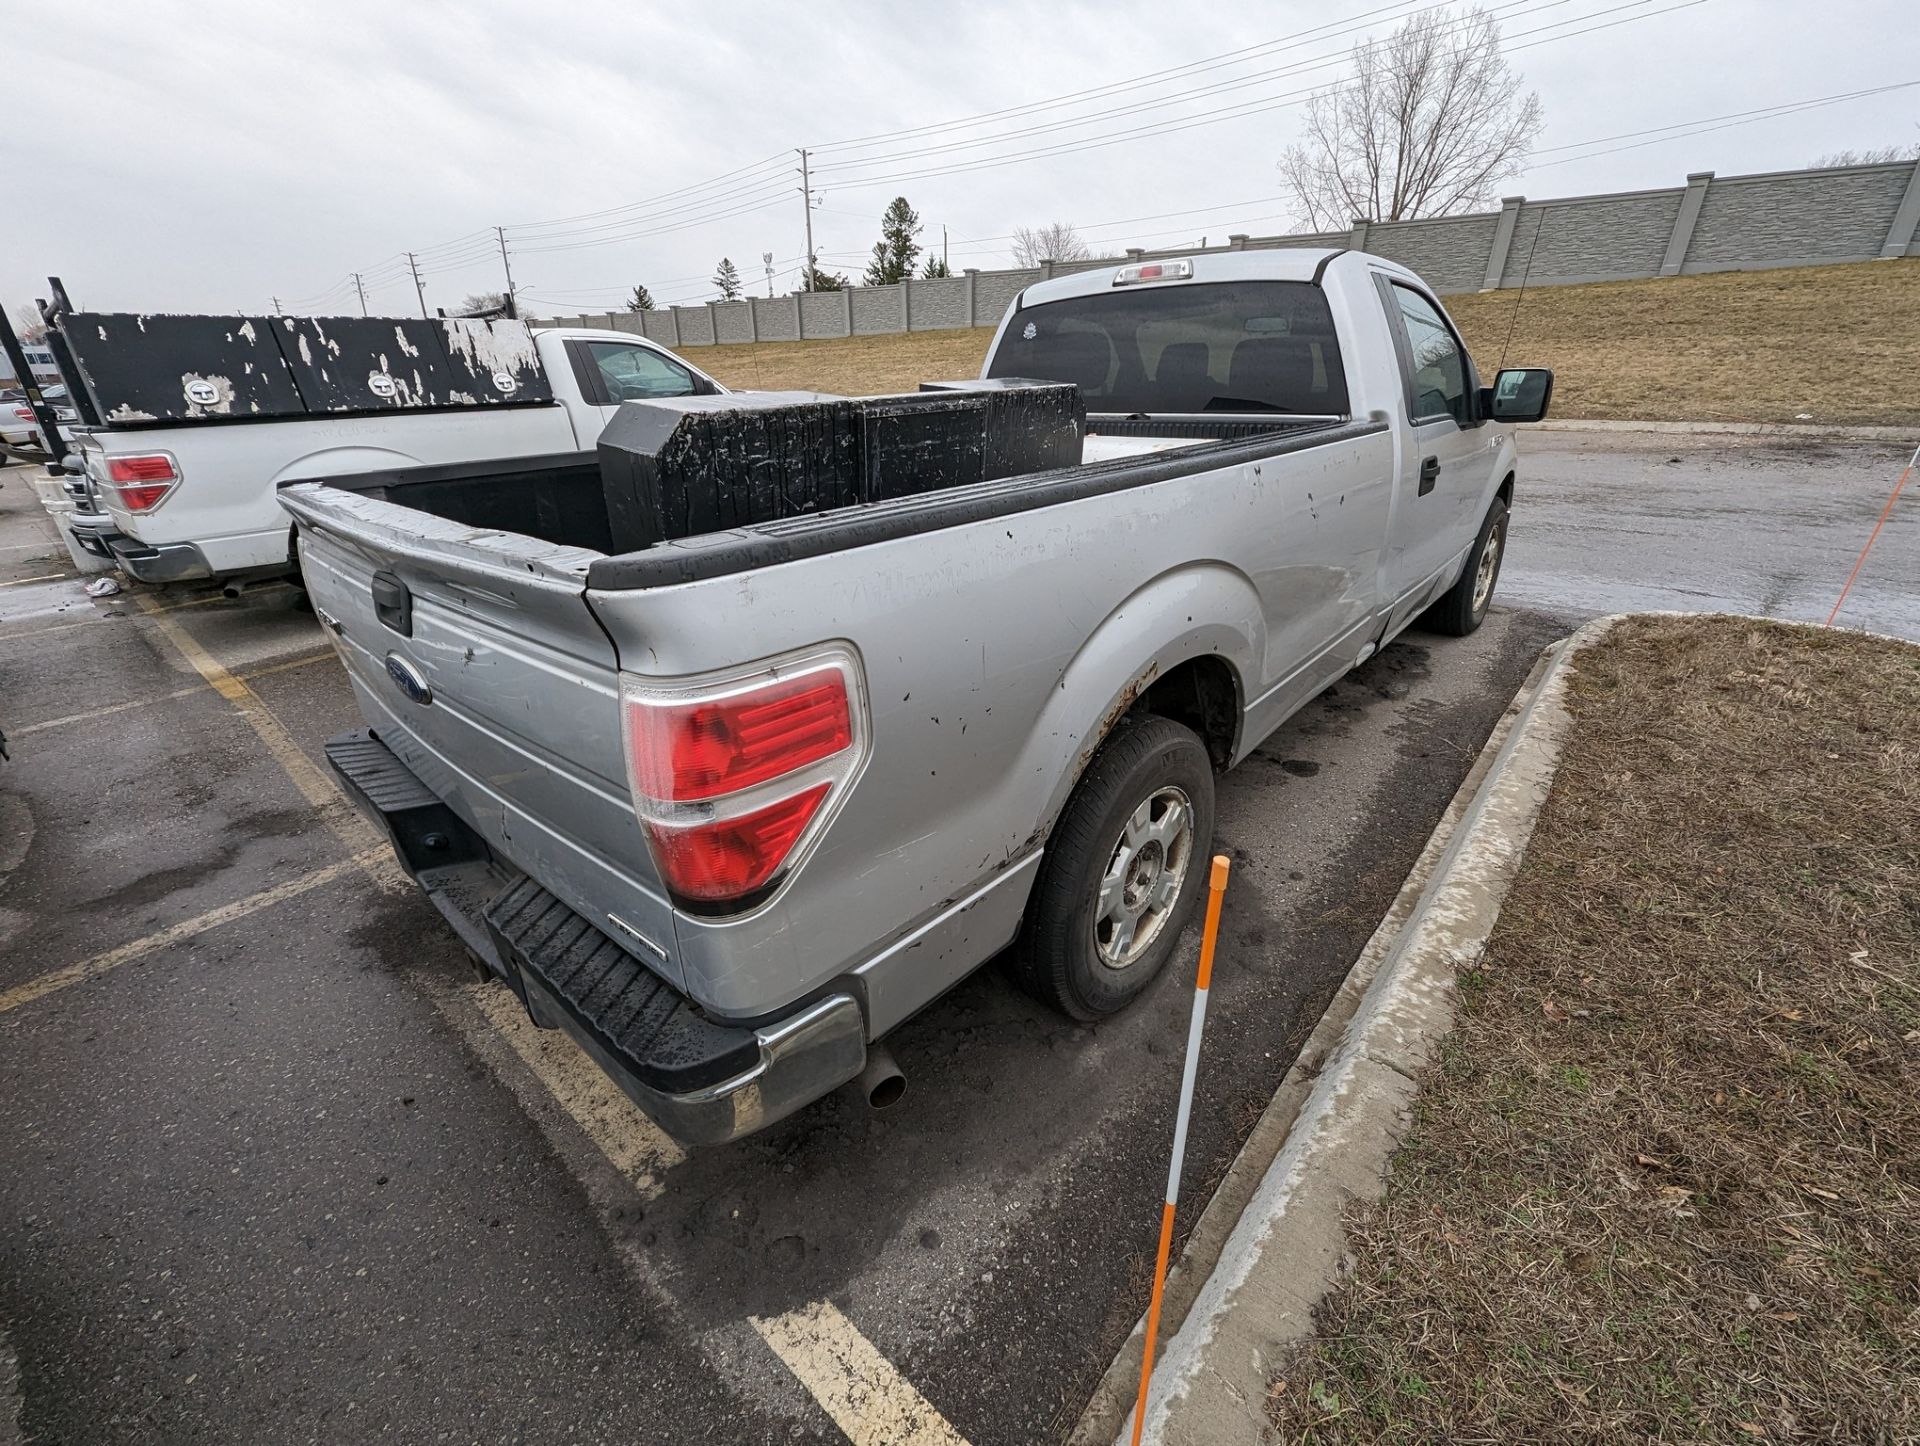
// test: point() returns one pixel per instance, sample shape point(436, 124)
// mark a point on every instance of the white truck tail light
point(1154, 271)
point(735, 775)
point(142, 481)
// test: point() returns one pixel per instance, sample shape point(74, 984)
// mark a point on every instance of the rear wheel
point(1463, 607)
point(1123, 870)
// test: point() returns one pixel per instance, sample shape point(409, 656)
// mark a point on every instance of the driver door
point(1444, 471)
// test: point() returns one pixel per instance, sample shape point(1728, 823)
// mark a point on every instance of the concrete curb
point(1820, 431)
point(1111, 1403)
point(1283, 1251)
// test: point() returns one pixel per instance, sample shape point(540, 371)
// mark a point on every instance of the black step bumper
point(701, 1080)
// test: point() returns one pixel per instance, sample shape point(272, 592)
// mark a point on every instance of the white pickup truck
point(190, 423)
point(772, 720)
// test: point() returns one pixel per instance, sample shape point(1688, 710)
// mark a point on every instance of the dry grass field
point(1817, 343)
point(1663, 1183)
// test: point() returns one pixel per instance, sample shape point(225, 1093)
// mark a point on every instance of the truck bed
point(576, 499)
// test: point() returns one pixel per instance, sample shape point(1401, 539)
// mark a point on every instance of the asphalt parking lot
point(278, 1169)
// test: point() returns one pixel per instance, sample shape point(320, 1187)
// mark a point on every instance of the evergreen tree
point(936, 268)
point(896, 250)
point(826, 281)
point(641, 300)
point(727, 278)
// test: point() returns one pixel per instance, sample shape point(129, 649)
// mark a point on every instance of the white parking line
point(870, 1401)
point(56, 980)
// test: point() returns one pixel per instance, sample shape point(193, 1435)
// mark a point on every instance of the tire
point(1069, 953)
point(1463, 607)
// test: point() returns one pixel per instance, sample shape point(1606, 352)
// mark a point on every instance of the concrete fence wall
point(1735, 223)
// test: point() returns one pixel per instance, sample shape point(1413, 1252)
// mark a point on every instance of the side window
point(1439, 369)
point(638, 373)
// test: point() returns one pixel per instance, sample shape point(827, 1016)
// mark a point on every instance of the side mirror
point(1518, 394)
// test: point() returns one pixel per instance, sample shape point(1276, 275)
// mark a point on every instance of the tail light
point(141, 481)
point(25, 414)
point(735, 775)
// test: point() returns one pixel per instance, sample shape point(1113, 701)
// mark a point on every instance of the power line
point(1140, 81)
point(1296, 67)
point(1236, 111)
point(1681, 129)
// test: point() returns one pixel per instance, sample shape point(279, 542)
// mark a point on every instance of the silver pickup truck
point(731, 746)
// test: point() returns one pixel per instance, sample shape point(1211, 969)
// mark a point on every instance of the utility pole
point(806, 196)
point(943, 247)
point(418, 289)
point(363, 293)
point(512, 310)
point(276, 307)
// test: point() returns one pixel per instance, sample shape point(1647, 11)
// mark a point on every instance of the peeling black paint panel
point(681, 467)
point(160, 368)
point(492, 362)
point(365, 364)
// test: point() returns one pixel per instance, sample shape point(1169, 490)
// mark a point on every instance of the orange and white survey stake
point(1216, 892)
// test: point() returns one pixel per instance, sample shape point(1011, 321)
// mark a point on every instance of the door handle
point(1429, 474)
point(392, 603)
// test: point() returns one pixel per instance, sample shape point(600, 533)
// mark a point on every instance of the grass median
point(1664, 1180)
point(1735, 346)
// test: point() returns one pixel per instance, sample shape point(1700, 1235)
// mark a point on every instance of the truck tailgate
point(517, 725)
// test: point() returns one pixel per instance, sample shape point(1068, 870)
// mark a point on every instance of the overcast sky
point(209, 156)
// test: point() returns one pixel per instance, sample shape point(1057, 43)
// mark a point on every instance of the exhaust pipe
point(232, 589)
point(882, 1081)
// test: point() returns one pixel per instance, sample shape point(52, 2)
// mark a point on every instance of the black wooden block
point(683, 466)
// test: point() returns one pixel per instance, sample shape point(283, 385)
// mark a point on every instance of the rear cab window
point(1221, 346)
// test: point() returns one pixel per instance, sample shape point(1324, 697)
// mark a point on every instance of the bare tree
point(1055, 241)
point(1430, 124)
point(28, 326)
point(1878, 156)
point(482, 304)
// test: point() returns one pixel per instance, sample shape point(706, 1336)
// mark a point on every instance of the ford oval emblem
point(409, 679)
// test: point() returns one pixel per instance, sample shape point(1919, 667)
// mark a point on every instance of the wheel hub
point(1143, 877)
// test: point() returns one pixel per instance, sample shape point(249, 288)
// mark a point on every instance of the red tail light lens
point(703, 749)
point(157, 468)
point(141, 481)
point(736, 856)
point(735, 775)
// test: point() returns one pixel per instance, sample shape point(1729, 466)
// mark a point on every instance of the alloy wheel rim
point(1489, 566)
point(1142, 880)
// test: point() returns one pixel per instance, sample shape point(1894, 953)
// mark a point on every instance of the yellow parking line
point(110, 709)
point(870, 1401)
point(46, 577)
point(149, 609)
point(633, 1144)
point(58, 979)
point(345, 822)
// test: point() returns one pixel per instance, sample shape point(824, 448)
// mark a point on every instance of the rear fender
point(1188, 613)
